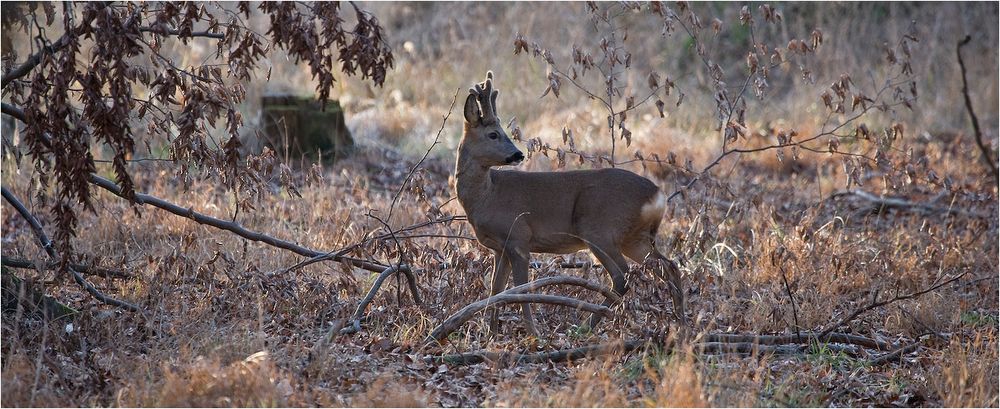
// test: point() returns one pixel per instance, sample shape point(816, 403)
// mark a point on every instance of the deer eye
point(493, 135)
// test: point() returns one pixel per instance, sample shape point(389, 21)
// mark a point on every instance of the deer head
point(485, 142)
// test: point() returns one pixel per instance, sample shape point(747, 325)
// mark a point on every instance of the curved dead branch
point(46, 244)
point(457, 319)
point(355, 320)
point(567, 280)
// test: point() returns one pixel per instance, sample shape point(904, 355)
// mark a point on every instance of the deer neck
point(472, 182)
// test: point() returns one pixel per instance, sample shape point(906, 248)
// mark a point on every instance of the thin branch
point(972, 114)
point(83, 269)
point(875, 303)
point(36, 58)
point(46, 244)
point(795, 311)
point(174, 32)
point(437, 139)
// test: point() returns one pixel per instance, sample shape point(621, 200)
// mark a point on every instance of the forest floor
point(769, 248)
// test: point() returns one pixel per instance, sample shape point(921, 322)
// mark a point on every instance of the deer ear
point(472, 112)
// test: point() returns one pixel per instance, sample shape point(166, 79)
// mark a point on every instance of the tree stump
point(299, 128)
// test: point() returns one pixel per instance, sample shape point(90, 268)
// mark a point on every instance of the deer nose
point(515, 158)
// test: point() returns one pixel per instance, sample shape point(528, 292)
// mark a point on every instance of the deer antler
point(487, 98)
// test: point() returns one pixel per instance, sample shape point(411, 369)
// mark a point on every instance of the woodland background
point(770, 242)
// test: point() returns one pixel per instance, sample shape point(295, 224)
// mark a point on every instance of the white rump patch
point(653, 210)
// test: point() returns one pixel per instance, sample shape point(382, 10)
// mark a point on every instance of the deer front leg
point(519, 263)
point(501, 271)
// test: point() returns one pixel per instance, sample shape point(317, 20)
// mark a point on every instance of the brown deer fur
point(613, 212)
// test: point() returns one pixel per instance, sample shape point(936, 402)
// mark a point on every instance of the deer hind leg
point(519, 263)
point(616, 265)
point(501, 272)
point(665, 269)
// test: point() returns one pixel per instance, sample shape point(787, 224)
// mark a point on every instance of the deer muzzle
point(514, 159)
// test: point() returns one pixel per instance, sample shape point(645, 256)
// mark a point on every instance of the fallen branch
point(894, 355)
point(750, 348)
point(83, 269)
point(473, 358)
point(46, 244)
point(590, 351)
point(233, 227)
point(338, 253)
point(806, 337)
point(883, 202)
point(457, 319)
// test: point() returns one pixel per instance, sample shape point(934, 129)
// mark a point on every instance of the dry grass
point(211, 307)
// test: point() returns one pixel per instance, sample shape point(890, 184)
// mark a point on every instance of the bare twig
point(46, 244)
point(875, 303)
point(795, 311)
point(174, 32)
point(437, 139)
point(972, 114)
point(83, 269)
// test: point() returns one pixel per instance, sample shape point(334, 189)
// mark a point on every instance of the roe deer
point(610, 211)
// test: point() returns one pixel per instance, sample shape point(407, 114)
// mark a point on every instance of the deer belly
point(555, 244)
